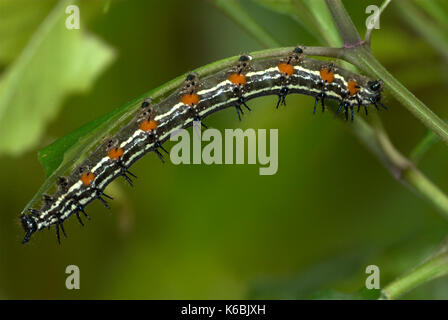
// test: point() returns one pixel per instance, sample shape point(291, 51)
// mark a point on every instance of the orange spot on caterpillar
point(148, 125)
point(190, 99)
point(286, 68)
point(352, 87)
point(327, 75)
point(237, 79)
point(115, 153)
point(87, 178)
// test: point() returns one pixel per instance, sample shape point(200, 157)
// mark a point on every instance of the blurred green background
point(219, 231)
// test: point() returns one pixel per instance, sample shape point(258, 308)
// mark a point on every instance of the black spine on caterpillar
point(147, 124)
point(189, 97)
point(238, 80)
point(286, 68)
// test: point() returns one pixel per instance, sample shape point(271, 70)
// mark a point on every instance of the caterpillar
point(197, 98)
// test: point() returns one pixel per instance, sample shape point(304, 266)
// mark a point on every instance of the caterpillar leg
point(100, 194)
point(282, 97)
point(346, 107)
point(241, 101)
point(60, 225)
point(81, 208)
point(79, 218)
point(156, 150)
point(339, 109)
point(375, 101)
point(197, 117)
point(321, 96)
point(125, 172)
point(346, 112)
point(360, 105)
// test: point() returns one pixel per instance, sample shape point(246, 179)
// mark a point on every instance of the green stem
point(378, 142)
point(228, 62)
point(426, 188)
point(368, 35)
point(345, 25)
point(359, 54)
point(375, 137)
point(364, 59)
point(423, 146)
point(435, 267)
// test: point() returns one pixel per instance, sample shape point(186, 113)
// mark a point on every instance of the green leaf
point(18, 21)
point(324, 22)
point(233, 9)
point(53, 155)
point(311, 15)
point(424, 25)
point(298, 12)
point(55, 63)
point(436, 10)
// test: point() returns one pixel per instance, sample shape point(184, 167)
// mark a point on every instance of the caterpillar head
point(29, 225)
point(376, 85)
point(374, 89)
